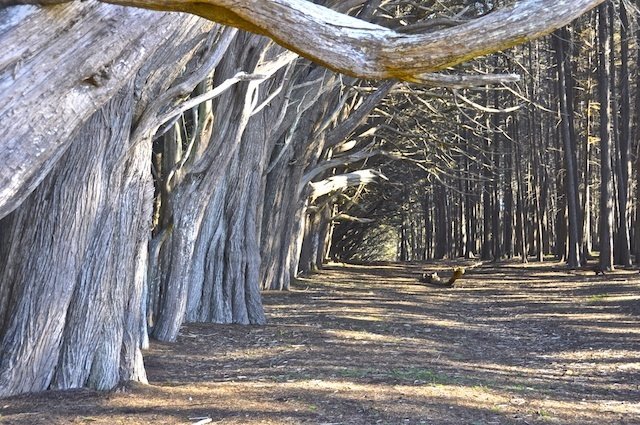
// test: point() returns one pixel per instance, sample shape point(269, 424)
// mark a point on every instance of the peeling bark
point(52, 83)
point(73, 259)
point(75, 265)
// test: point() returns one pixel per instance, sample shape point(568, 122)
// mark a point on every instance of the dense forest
point(543, 167)
point(160, 168)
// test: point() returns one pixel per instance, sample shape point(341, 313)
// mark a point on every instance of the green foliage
point(380, 243)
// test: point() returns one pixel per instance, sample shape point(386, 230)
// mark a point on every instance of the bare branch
point(349, 125)
point(352, 219)
point(366, 50)
point(150, 119)
point(463, 81)
point(343, 181)
point(341, 160)
point(484, 108)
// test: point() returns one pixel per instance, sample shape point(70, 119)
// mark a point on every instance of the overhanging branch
point(358, 48)
point(343, 181)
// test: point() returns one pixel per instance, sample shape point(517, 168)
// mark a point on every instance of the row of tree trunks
point(190, 194)
point(73, 258)
point(532, 169)
point(285, 205)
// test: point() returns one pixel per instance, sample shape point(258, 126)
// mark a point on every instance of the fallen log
point(435, 280)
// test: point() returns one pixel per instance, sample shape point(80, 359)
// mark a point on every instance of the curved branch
point(150, 120)
point(332, 163)
point(343, 181)
point(358, 48)
point(479, 107)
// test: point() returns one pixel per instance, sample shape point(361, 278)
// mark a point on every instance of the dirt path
point(370, 345)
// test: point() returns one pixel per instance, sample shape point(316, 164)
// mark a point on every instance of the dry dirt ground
point(371, 345)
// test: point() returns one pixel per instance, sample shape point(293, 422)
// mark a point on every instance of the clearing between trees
point(514, 344)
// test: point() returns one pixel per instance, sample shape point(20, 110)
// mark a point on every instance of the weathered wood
point(284, 205)
point(75, 266)
point(210, 265)
point(343, 181)
point(435, 280)
point(362, 49)
point(73, 256)
point(65, 62)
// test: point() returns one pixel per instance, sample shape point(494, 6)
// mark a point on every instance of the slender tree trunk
point(538, 205)
point(428, 222)
point(521, 233)
point(606, 179)
point(496, 201)
point(636, 227)
point(488, 233)
point(587, 207)
point(509, 208)
point(537, 183)
point(462, 216)
point(469, 210)
point(440, 222)
point(570, 161)
point(623, 243)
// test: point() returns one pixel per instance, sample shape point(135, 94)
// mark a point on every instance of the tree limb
point(349, 125)
point(343, 181)
point(358, 48)
point(332, 163)
point(352, 219)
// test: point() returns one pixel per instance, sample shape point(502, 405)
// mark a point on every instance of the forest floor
point(514, 344)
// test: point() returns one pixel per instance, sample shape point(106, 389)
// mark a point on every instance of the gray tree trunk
point(75, 265)
point(284, 203)
point(73, 258)
point(569, 152)
point(211, 257)
point(606, 178)
point(623, 238)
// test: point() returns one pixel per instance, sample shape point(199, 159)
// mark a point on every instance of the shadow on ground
point(368, 344)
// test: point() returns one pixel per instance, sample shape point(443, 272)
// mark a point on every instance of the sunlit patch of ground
point(534, 344)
